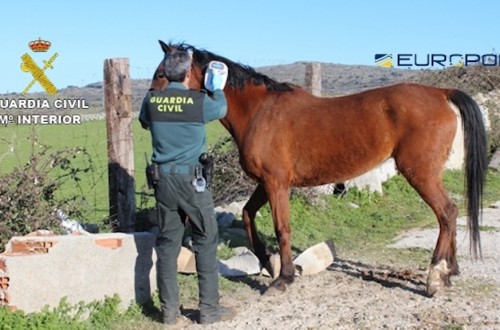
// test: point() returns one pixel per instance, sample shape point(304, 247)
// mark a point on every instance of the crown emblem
point(39, 45)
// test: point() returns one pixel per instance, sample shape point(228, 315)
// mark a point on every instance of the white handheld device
point(219, 68)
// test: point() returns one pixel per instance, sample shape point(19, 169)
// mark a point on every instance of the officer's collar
point(177, 85)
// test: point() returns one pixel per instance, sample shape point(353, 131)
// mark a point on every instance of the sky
point(256, 33)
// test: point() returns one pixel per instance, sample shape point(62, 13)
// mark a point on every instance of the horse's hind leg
point(444, 260)
point(431, 189)
point(256, 201)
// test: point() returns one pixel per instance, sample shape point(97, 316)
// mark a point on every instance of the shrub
point(230, 183)
point(93, 315)
point(29, 195)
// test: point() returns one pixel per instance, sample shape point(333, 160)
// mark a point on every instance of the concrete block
point(40, 270)
point(243, 263)
point(313, 260)
point(186, 262)
point(495, 161)
point(316, 258)
point(372, 180)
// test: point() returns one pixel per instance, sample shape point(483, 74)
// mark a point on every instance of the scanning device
point(216, 76)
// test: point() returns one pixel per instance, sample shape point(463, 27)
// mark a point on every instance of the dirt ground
point(353, 294)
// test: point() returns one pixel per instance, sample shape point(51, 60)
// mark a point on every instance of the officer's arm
point(216, 107)
point(143, 115)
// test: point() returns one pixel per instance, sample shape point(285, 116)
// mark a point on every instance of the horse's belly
point(336, 170)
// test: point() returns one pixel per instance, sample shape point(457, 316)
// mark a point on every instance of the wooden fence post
point(312, 84)
point(313, 78)
point(118, 106)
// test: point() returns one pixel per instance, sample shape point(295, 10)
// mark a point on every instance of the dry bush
point(230, 183)
point(28, 195)
point(473, 79)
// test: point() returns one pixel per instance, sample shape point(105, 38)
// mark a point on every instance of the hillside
point(340, 79)
point(337, 79)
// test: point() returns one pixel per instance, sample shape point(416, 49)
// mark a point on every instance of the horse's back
point(424, 125)
point(319, 140)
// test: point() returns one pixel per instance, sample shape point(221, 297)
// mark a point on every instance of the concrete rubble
point(36, 271)
point(495, 161)
point(311, 261)
point(40, 269)
point(243, 263)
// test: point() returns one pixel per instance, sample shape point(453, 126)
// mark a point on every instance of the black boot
point(170, 316)
point(222, 314)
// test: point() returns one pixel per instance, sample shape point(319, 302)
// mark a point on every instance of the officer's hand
point(216, 81)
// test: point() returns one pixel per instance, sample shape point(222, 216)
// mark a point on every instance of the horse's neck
point(243, 106)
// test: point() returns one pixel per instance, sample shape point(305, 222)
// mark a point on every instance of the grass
point(18, 142)
point(357, 219)
point(360, 232)
point(363, 224)
point(360, 224)
point(106, 314)
point(93, 315)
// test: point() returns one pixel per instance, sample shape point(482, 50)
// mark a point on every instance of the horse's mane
point(239, 74)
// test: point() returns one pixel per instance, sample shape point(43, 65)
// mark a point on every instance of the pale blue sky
point(256, 33)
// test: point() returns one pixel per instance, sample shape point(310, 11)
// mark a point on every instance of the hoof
point(273, 291)
point(439, 277)
point(279, 285)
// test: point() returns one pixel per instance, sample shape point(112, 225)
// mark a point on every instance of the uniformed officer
point(176, 117)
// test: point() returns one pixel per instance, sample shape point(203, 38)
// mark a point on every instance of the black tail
point(475, 162)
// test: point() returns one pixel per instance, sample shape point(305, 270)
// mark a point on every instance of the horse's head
point(238, 77)
point(197, 71)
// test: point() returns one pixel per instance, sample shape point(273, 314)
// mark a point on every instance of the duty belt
point(178, 168)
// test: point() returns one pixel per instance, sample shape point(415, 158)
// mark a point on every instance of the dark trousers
point(175, 197)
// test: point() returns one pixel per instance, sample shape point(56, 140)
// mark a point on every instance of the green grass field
point(361, 231)
point(19, 142)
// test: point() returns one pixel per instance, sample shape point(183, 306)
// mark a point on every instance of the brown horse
point(287, 137)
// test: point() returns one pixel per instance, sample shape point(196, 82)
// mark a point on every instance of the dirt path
point(352, 294)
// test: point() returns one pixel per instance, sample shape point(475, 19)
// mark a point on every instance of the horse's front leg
point(280, 206)
point(256, 201)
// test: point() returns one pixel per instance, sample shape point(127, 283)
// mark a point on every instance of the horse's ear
point(166, 48)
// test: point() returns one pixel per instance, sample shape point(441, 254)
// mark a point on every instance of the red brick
point(30, 247)
point(112, 243)
point(4, 282)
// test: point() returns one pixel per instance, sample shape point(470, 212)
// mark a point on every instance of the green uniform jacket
point(176, 117)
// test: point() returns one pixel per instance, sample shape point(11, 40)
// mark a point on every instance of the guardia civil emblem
point(29, 65)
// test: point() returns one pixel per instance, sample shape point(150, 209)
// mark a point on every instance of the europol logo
point(438, 60)
point(384, 60)
point(38, 73)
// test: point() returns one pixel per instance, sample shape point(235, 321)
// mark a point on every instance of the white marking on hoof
point(435, 279)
